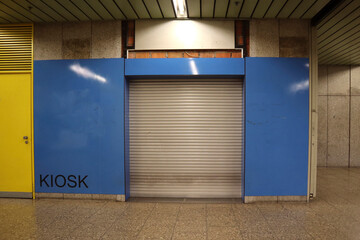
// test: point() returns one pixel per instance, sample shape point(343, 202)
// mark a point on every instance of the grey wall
point(279, 38)
point(339, 116)
point(81, 40)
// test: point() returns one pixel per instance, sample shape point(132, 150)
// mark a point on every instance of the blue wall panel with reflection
point(79, 126)
point(277, 126)
point(180, 67)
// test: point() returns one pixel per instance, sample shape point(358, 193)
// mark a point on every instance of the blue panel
point(79, 126)
point(277, 117)
point(184, 67)
point(127, 142)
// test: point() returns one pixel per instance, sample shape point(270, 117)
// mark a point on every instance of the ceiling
point(338, 32)
point(338, 35)
point(13, 11)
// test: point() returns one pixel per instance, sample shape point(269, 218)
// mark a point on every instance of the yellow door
point(15, 135)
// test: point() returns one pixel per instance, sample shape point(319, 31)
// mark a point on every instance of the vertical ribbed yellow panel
point(16, 47)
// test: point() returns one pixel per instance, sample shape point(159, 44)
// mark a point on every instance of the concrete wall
point(339, 116)
point(82, 40)
point(268, 38)
point(279, 38)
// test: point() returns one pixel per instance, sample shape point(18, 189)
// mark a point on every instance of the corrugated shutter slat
point(186, 138)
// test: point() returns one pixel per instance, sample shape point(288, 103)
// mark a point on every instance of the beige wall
point(279, 38)
point(184, 34)
point(77, 40)
point(339, 116)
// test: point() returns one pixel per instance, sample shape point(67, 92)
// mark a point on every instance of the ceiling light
point(180, 8)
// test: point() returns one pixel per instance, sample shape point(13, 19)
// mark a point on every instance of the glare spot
point(193, 67)
point(86, 73)
point(307, 65)
point(300, 86)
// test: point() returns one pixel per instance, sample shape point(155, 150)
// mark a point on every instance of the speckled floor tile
point(220, 233)
point(189, 235)
point(128, 225)
point(119, 235)
point(257, 236)
point(286, 236)
point(92, 230)
point(192, 212)
point(255, 227)
point(221, 218)
point(156, 232)
point(191, 225)
point(334, 214)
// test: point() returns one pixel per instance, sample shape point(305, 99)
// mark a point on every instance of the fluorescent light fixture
point(180, 8)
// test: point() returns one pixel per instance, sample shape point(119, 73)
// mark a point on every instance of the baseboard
point(16, 195)
point(252, 199)
point(113, 197)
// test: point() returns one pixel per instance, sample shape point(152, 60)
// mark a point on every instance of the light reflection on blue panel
point(86, 73)
point(185, 67)
point(193, 67)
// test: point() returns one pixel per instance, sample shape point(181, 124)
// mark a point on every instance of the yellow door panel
point(15, 124)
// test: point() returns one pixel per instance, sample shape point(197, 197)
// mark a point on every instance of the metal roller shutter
point(186, 138)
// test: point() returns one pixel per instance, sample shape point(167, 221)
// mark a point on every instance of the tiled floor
point(335, 214)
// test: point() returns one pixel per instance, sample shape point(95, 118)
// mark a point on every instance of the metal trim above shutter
point(186, 138)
